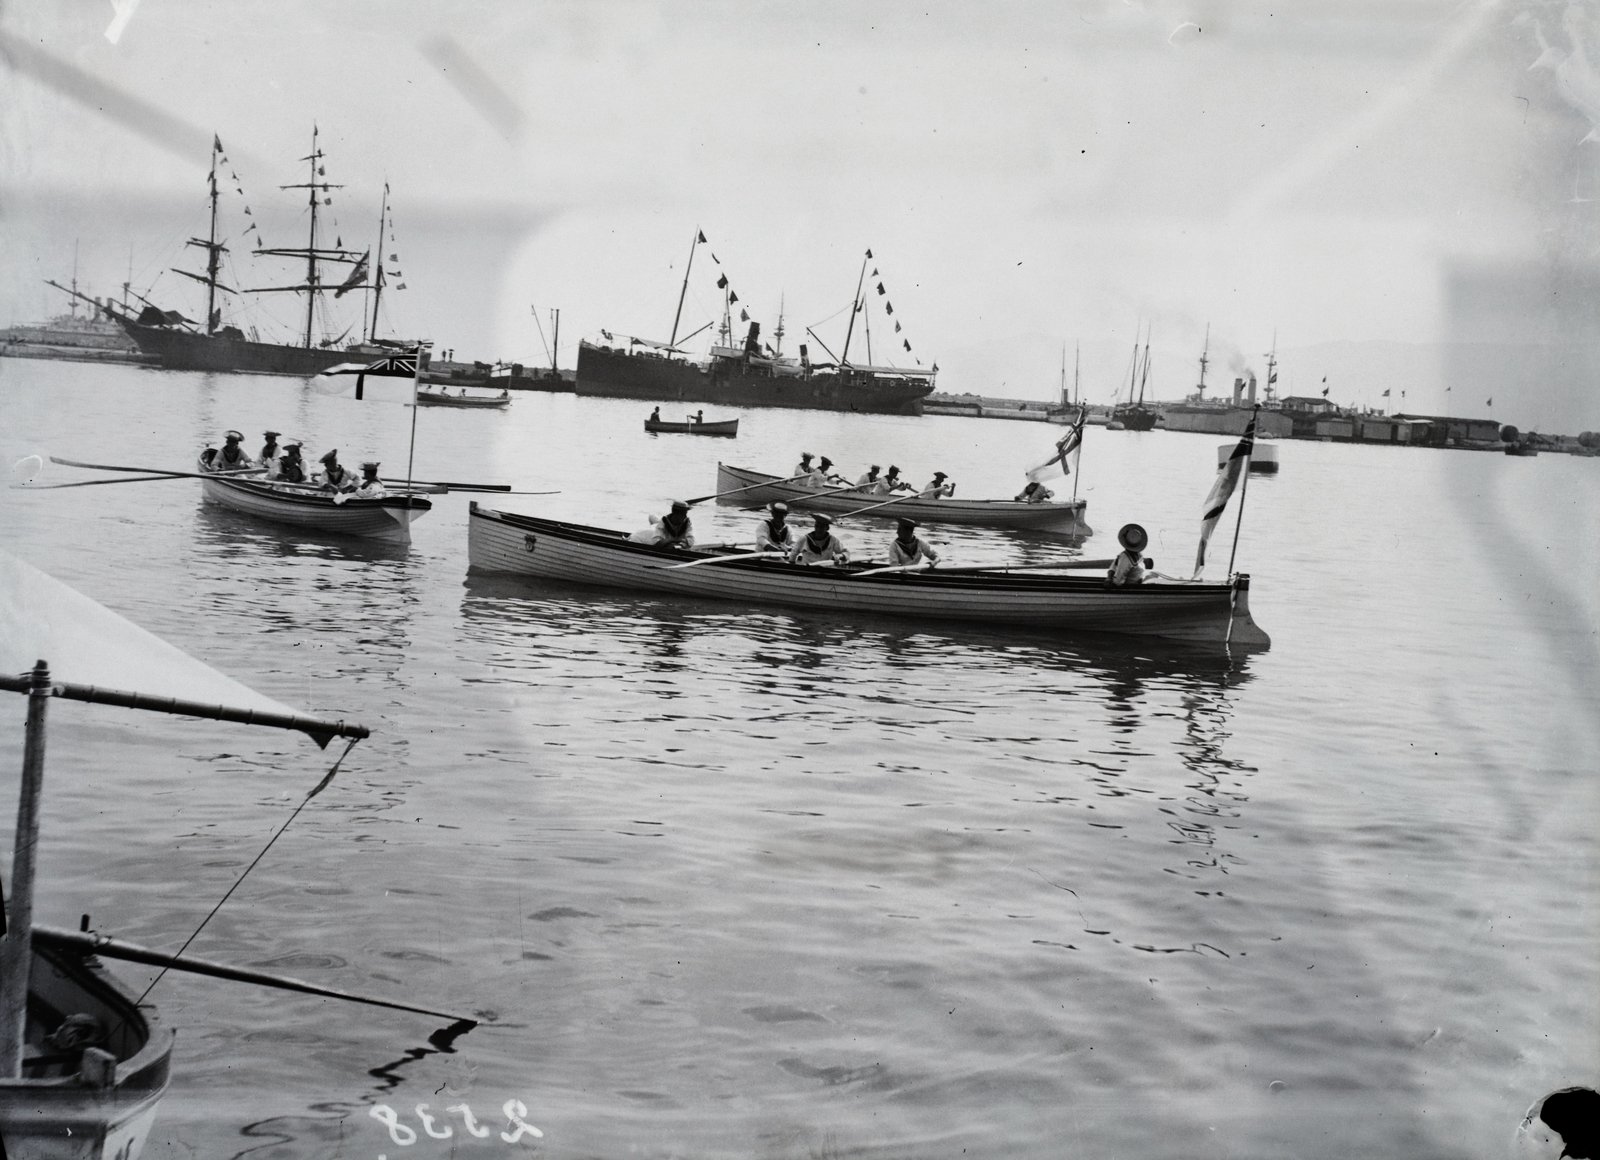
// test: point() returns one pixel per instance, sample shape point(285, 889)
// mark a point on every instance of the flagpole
point(1244, 490)
point(416, 377)
point(1078, 462)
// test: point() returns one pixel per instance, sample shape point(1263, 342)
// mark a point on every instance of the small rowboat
point(385, 517)
point(502, 542)
point(445, 399)
point(78, 1101)
point(1062, 518)
point(729, 428)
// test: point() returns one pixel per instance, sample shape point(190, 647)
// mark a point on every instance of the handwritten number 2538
point(514, 1111)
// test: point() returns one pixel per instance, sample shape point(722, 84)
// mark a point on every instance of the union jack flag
point(396, 366)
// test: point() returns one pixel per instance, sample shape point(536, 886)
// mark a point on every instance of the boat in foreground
point(386, 517)
point(507, 543)
point(429, 398)
point(1062, 518)
point(94, 1068)
point(728, 428)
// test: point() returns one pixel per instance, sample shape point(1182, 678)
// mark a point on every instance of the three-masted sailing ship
point(1134, 415)
point(748, 374)
point(180, 344)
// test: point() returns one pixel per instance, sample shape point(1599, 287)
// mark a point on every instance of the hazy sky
point(1025, 174)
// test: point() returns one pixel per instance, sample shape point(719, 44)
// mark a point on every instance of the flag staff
point(1077, 356)
point(416, 376)
point(1244, 490)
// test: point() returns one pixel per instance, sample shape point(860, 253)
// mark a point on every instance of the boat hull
point(734, 382)
point(1060, 518)
point(387, 518)
point(505, 543)
point(183, 350)
point(434, 399)
point(728, 428)
point(64, 1117)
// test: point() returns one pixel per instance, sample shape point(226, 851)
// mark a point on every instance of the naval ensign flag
point(1065, 446)
point(1227, 479)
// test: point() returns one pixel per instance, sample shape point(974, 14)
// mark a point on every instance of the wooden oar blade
point(90, 482)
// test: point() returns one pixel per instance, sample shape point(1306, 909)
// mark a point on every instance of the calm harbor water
point(759, 883)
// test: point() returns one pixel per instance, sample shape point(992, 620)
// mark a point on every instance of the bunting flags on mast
point(1227, 479)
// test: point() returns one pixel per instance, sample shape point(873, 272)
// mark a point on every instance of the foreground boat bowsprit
point(504, 542)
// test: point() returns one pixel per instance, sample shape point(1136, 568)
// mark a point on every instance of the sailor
point(937, 487)
point(699, 416)
point(232, 457)
point(655, 416)
point(269, 449)
point(291, 468)
point(371, 486)
point(870, 480)
point(673, 530)
point(334, 477)
point(1128, 568)
point(774, 534)
point(820, 545)
point(908, 548)
point(803, 468)
point(1034, 493)
point(891, 482)
point(821, 478)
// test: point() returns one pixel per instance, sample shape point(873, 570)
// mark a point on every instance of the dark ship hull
point(1135, 418)
point(183, 350)
point(742, 382)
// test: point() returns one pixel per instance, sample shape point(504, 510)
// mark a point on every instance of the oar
point(157, 470)
point(1063, 565)
point(503, 488)
point(721, 560)
point(89, 482)
point(99, 944)
point(751, 487)
point(885, 503)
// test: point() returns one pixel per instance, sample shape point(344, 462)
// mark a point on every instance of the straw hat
point(1133, 537)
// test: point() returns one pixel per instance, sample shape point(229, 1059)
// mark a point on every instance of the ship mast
point(855, 305)
point(1077, 358)
point(377, 274)
point(673, 341)
point(213, 248)
point(777, 334)
point(312, 286)
point(1205, 351)
point(1272, 364)
point(1144, 375)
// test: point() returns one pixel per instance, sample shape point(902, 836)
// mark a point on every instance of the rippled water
point(761, 883)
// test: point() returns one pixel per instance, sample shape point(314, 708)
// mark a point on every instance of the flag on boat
point(397, 366)
point(1227, 479)
point(358, 277)
point(1070, 442)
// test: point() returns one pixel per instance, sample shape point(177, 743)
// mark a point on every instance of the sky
point(1329, 179)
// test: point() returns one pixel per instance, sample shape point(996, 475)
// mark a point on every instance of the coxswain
point(333, 477)
point(803, 468)
point(1034, 493)
point(937, 487)
point(673, 530)
point(232, 457)
point(891, 482)
point(775, 534)
point(870, 480)
point(269, 449)
point(370, 484)
point(820, 545)
point(1128, 568)
point(291, 468)
point(907, 548)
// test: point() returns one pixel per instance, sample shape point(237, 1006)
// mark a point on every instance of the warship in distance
point(749, 375)
point(178, 344)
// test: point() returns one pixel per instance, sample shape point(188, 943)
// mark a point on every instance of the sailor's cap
point(233, 436)
point(330, 456)
point(271, 434)
point(780, 508)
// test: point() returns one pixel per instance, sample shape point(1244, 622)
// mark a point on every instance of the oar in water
point(1066, 565)
point(885, 503)
point(720, 560)
point(90, 482)
point(99, 944)
point(158, 470)
point(502, 488)
point(751, 487)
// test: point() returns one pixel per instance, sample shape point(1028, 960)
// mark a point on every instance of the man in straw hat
point(333, 476)
point(774, 534)
point(673, 530)
point(870, 480)
point(1128, 568)
point(269, 449)
point(371, 486)
point(291, 468)
point(908, 548)
point(820, 545)
point(937, 487)
point(232, 457)
point(891, 482)
point(803, 468)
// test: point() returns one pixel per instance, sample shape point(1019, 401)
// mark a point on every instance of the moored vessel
point(385, 517)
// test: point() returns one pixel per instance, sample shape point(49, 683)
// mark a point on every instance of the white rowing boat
point(385, 517)
point(1061, 518)
point(503, 542)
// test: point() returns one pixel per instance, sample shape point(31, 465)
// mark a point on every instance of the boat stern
point(1242, 628)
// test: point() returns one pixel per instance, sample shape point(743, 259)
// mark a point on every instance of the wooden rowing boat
point(728, 428)
point(1062, 518)
point(385, 517)
point(503, 542)
point(78, 1102)
point(445, 399)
